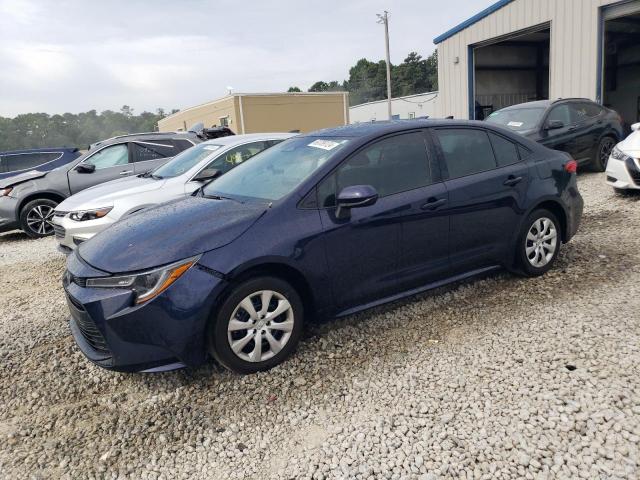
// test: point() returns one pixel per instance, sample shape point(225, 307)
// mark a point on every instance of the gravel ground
point(501, 377)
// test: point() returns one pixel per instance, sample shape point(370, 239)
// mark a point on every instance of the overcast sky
point(72, 56)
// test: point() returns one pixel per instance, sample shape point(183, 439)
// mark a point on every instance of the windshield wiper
point(220, 197)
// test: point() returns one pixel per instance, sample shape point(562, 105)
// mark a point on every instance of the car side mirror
point(355, 196)
point(86, 168)
point(635, 127)
point(207, 174)
point(555, 125)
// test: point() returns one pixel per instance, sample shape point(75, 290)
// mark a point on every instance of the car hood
point(22, 177)
point(168, 233)
point(105, 194)
point(631, 144)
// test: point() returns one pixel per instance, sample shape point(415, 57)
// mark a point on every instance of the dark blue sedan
point(321, 225)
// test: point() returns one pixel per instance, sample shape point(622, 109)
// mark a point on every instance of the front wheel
point(539, 243)
point(601, 158)
point(258, 325)
point(36, 217)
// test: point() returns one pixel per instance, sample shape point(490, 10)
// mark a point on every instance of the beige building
point(520, 50)
point(265, 112)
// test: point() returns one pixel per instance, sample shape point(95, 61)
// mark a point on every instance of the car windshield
point(185, 160)
point(274, 173)
point(518, 119)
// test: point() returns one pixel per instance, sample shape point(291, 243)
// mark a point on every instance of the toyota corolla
point(321, 225)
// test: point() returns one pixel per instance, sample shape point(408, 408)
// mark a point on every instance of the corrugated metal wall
point(574, 48)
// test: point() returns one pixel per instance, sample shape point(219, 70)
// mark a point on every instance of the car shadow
point(13, 236)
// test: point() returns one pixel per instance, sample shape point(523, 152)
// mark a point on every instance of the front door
point(564, 138)
point(110, 162)
point(383, 249)
point(487, 184)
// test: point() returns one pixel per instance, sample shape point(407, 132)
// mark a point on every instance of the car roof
point(41, 150)
point(132, 137)
point(546, 103)
point(237, 139)
point(362, 130)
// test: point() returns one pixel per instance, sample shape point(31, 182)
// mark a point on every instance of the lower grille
point(59, 231)
point(89, 330)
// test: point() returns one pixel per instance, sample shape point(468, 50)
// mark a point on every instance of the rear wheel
point(601, 158)
point(258, 326)
point(539, 243)
point(36, 217)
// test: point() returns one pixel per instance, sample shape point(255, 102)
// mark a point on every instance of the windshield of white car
point(518, 119)
point(275, 172)
point(185, 161)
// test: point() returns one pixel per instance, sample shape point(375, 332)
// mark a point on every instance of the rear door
point(590, 127)
point(150, 154)
point(487, 184)
point(111, 162)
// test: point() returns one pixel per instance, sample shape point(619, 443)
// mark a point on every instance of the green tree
point(294, 89)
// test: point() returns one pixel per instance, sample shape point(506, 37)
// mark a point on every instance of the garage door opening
point(621, 76)
point(512, 71)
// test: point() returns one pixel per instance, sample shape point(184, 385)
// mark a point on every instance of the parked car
point(623, 169)
point(16, 162)
point(84, 214)
point(27, 200)
point(321, 225)
point(584, 129)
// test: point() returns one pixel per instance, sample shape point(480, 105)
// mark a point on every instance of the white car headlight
point(149, 284)
point(619, 154)
point(84, 215)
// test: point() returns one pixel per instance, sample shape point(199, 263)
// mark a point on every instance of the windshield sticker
point(211, 147)
point(515, 124)
point(325, 144)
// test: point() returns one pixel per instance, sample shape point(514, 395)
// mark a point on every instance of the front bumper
point(70, 233)
point(623, 174)
point(168, 331)
point(8, 219)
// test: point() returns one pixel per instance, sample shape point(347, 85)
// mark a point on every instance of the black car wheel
point(601, 158)
point(36, 218)
point(539, 243)
point(258, 325)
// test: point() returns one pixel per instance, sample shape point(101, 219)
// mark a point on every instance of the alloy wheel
point(605, 151)
point(541, 242)
point(39, 219)
point(260, 326)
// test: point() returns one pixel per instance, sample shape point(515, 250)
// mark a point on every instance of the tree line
point(367, 80)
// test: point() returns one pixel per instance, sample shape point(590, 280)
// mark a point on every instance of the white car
point(90, 211)
point(623, 167)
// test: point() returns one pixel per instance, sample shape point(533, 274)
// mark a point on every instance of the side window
point(181, 145)
point(153, 149)
point(505, 151)
point(583, 111)
point(237, 155)
point(23, 161)
point(392, 165)
point(561, 113)
point(111, 156)
point(465, 151)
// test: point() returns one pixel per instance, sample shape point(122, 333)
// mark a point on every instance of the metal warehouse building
point(521, 50)
point(265, 112)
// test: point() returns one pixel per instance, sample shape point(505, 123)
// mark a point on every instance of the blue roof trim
point(467, 23)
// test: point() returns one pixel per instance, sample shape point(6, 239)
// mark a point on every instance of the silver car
point(81, 216)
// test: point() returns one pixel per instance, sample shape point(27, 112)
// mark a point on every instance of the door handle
point(572, 129)
point(434, 203)
point(125, 172)
point(512, 181)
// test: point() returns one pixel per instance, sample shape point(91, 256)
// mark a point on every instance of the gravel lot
point(501, 377)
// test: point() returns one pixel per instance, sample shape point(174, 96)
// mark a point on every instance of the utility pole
point(384, 19)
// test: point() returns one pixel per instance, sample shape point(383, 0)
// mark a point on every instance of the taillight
point(571, 166)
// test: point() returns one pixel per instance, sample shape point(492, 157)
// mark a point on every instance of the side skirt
point(415, 291)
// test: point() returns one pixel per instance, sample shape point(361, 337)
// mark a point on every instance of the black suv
point(582, 128)
point(27, 200)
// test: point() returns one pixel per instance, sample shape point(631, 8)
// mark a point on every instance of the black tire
point(526, 265)
point(35, 217)
point(601, 155)
point(624, 192)
point(219, 337)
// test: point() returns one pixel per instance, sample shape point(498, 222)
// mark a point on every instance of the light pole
point(384, 19)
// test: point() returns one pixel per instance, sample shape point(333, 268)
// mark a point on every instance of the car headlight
point(619, 154)
point(5, 191)
point(84, 215)
point(149, 284)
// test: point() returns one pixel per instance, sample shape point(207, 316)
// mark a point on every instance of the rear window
point(25, 161)
point(518, 119)
point(153, 149)
point(182, 144)
point(506, 152)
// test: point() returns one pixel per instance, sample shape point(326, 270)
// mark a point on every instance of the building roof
point(467, 23)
